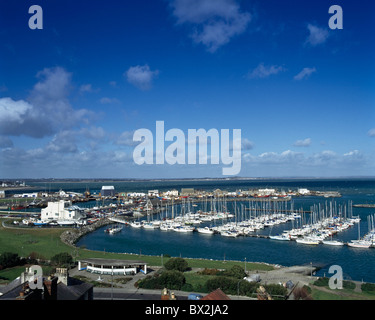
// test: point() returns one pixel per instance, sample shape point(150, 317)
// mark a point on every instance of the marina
point(258, 229)
point(269, 244)
point(319, 232)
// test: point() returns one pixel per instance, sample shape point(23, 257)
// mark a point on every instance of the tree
point(62, 259)
point(235, 272)
point(172, 279)
point(178, 264)
point(8, 260)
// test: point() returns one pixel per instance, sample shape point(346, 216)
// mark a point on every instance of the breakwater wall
point(71, 236)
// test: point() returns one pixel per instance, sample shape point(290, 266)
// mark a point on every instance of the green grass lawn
point(46, 243)
point(10, 274)
point(321, 291)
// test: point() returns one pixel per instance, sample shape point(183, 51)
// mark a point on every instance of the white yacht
point(205, 230)
point(307, 241)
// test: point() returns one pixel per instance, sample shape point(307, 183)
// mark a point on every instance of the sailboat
point(150, 225)
point(307, 241)
point(136, 224)
point(113, 230)
point(360, 243)
point(333, 242)
point(282, 237)
point(205, 230)
point(183, 229)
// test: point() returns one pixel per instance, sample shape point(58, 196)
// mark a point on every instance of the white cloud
point(12, 114)
point(285, 157)
point(106, 100)
point(305, 73)
point(354, 156)
point(94, 133)
point(303, 143)
point(371, 132)
point(316, 36)
point(85, 88)
point(126, 139)
point(262, 71)
point(323, 158)
point(289, 159)
point(63, 142)
point(215, 23)
point(246, 144)
point(141, 76)
point(5, 142)
point(51, 109)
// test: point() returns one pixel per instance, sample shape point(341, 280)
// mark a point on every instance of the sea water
point(357, 264)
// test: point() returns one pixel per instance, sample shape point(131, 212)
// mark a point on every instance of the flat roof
point(112, 262)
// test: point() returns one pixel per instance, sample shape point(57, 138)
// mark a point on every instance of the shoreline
point(70, 237)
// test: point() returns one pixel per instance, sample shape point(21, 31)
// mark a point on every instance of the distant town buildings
point(187, 191)
point(304, 191)
point(153, 193)
point(170, 194)
point(108, 191)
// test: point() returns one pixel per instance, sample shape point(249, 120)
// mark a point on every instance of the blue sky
point(73, 93)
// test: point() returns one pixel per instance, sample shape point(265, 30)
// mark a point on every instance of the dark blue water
point(357, 264)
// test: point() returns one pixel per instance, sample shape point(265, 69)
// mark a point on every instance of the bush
point(62, 259)
point(9, 259)
point(208, 272)
point(236, 272)
point(276, 291)
point(233, 286)
point(368, 288)
point(35, 258)
point(321, 282)
point(302, 293)
point(171, 279)
point(226, 284)
point(348, 285)
point(149, 283)
point(178, 264)
point(187, 287)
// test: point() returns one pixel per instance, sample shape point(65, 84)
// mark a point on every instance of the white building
point(61, 211)
point(108, 191)
point(136, 195)
point(304, 191)
point(266, 192)
point(170, 193)
point(112, 266)
point(153, 193)
point(26, 195)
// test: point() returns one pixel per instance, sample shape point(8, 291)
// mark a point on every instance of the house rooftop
point(218, 294)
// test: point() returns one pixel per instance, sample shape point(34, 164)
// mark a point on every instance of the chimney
point(50, 288)
point(165, 294)
point(21, 295)
point(28, 294)
point(62, 275)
